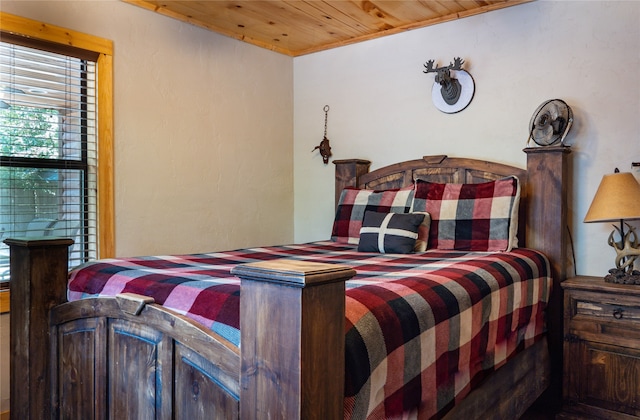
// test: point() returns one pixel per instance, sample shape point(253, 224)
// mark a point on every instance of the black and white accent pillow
point(393, 233)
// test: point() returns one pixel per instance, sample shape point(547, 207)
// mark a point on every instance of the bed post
point(348, 172)
point(292, 316)
point(547, 227)
point(38, 282)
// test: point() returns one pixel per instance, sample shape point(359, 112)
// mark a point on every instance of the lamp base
point(621, 276)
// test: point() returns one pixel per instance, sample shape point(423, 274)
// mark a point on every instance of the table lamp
point(618, 199)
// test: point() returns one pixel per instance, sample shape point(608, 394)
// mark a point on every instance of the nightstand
point(601, 373)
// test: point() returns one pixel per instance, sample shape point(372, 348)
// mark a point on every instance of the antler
point(458, 62)
point(627, 250)
point(429, 67)
point(456, 65)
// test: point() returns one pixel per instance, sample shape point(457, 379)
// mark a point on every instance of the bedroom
point(254, 112)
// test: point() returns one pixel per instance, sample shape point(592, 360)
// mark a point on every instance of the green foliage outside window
point(32, 133)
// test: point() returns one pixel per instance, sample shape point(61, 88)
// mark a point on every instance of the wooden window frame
point(4, 301)
point(12, 26)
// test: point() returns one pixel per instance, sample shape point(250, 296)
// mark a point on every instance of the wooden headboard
point(542, 213)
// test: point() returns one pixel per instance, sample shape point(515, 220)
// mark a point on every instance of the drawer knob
point(617, 313)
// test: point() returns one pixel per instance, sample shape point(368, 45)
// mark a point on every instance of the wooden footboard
point(155, 364)
point(292, 333)
point(38, 283)
point(127, 357)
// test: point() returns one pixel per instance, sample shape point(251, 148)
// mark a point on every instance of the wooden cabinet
point(601, 349)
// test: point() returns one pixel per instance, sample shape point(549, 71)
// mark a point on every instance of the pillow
point(354, 202)
point(471, 217)
point(422, 243)
point(389, 232)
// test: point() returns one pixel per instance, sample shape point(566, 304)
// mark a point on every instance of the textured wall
point(381, 108)
point(203, 130)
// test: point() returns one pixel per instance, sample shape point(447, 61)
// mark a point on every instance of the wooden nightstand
point(601, 349)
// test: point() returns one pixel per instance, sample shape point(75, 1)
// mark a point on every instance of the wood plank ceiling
point(298, 27)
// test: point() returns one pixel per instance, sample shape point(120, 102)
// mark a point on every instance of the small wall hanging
point(453, 88)
point(325, 149)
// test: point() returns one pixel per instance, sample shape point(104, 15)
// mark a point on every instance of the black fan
point(550, 123)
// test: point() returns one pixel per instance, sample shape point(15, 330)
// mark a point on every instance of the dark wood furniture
point(602, 349)
point(111, 357)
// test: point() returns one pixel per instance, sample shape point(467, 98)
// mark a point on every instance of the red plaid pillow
point(471, 217)
point(353, 204)
point(422, 243)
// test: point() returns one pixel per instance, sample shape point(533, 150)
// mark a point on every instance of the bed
point(126, 355)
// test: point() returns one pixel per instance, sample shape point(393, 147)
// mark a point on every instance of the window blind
point(48, 153)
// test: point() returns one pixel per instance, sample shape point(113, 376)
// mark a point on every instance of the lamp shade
point(617, 198)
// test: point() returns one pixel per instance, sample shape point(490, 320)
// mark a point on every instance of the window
point(48, 143)
point(55, 138)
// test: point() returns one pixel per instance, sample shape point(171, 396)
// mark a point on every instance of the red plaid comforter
point(421, 329)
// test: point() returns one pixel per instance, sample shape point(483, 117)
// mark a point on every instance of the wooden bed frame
point(127, 357)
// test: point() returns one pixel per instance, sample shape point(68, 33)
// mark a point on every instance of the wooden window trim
point(33, 31)
point(4, 301)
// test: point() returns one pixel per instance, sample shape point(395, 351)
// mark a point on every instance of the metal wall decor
point(325, 149)
point(453, 87)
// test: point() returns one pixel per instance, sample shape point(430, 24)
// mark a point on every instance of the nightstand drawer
point(608, 311)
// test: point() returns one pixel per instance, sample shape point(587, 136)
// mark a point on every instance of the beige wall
point(203, 130)
point(584, 52)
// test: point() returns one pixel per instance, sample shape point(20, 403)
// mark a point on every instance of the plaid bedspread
point(421, 329)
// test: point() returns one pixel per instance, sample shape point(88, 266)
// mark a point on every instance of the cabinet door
point(604, 376)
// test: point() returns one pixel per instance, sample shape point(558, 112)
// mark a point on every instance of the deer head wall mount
point(451, 92)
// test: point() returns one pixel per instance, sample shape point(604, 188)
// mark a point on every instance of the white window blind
point(48, 152)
